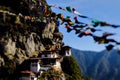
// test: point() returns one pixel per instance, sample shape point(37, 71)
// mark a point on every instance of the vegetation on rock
point(71, 69)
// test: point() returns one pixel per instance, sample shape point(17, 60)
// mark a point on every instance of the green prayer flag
point(49, 8)
point(69, 9)
point(95, 23)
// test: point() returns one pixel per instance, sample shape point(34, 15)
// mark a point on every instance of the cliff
point(27, 31)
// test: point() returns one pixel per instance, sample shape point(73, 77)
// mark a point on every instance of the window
point(45, 55)
point(32, 78)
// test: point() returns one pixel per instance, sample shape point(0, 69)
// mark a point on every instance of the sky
point(103, 10)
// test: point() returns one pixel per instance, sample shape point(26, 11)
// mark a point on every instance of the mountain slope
point(102, 65)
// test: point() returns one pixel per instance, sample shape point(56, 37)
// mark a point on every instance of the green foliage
point(16, 6)
point(5, 8)
point(8, 70)
point(71, 69)
point(51, 75)
point(41, 78)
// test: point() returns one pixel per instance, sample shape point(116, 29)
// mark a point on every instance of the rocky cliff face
point(22, 42)
point(22, 38)
point(25, 32)
point(19, 43)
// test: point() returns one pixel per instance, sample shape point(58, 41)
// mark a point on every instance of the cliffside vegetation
point(71, 69)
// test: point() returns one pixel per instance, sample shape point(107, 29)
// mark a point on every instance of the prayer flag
point(75, 12)
point(68, 9)
point(109, 47)
point(82, 16)
point(69, 29)
point(104, 24)
point(115, 26)
point(61, 8)
point(95, 23)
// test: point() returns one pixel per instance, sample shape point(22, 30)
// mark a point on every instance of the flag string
point(94, 21)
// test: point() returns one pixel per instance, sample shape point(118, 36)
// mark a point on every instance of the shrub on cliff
point(71, 69)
